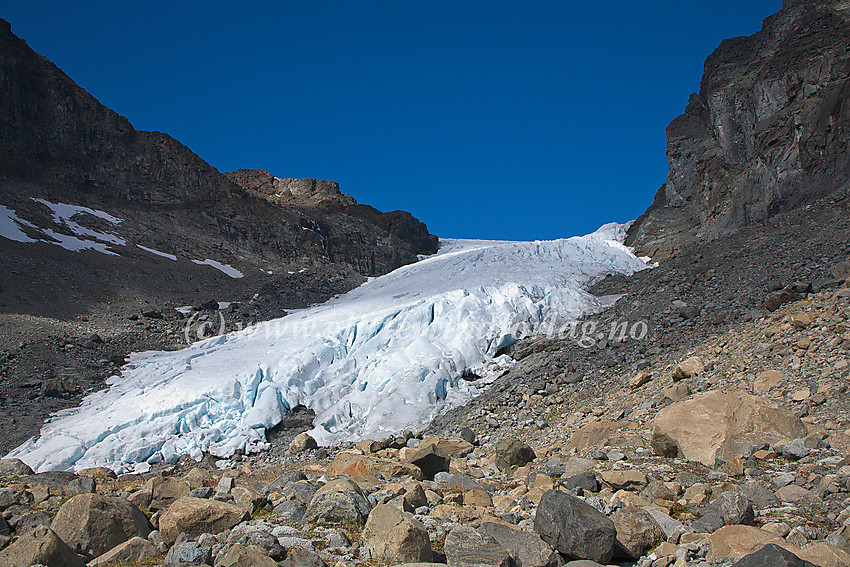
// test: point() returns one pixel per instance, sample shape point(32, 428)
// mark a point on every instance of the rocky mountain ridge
point(766, 133)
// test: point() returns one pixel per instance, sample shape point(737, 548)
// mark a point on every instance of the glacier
point(387, 356)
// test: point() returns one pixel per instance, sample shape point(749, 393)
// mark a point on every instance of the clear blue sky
point(485, 119)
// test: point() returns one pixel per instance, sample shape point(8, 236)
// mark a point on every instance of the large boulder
point(526, 548)
point(349, 463)
point(338, 502)
point(14, 467)
point(245, 556)
point(196, 516)
point(823, 554)
point(451, 446)
point(430, 460)
point(393, 536)
point(467, 547)
point(92, 524)
point(738, 541)
point(714, 426)
point(772, 555)
point(134, 550)
point(637, 532)
point(40, 547)
point(574, 527)
point(512, 452)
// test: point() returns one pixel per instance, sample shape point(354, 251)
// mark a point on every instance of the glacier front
point(384, 357)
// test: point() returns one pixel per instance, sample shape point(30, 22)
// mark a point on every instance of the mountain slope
point(767, 132)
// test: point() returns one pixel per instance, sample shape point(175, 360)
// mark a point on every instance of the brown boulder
point(195, 516)
point(715, 425)
point(738, 541)
point(346, 463)
point(245, 556)
point(92, 524)
point(135, 550)
point(394, 537)
point(40, 547)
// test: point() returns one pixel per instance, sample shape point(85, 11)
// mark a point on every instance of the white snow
point(10, 226)
point(157, 252)
point(229, 270)
point(387, 356)
point(62, 214)
point(82, 239)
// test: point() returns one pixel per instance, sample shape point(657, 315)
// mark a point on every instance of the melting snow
point(387, 356)
point(157, 252)
point(229, 270)
point(10, 226)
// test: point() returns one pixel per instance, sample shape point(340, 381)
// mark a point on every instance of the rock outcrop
point(767, 132)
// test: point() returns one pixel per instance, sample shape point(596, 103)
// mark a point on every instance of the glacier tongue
point(384, 357)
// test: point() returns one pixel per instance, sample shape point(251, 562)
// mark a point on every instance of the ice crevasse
point(384, 357)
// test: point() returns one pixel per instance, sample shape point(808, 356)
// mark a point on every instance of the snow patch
point(387, 356)
point(229, 270)
point(10, 226)
point(157, 252)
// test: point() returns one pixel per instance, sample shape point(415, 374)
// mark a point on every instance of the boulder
point(640, 379)
point(393, 536)
point(245, 556)
point(772, 555)
point(93, 524)
point(823, 554)
point(574, 527)
point(625, 479)
point(100, 473)
point(454, 447)
point(512, 452)
point(40, 547)
point(692, 366)
point(587, 481)
point(637, 532)
point(167, 489)
point(349, 463)
point(430, 460)
point(303, 442)
point(467, 547)
point(196, 516)
point(738, 541)
point(526, 548)
point(188, 553)
point(134, 550)
point(732, 508)
point(338, 502)
point(299, 557)
point(714, 426)
point(14, 467)
point(597, 434)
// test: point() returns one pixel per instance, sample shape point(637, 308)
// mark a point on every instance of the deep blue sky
point(485, 119)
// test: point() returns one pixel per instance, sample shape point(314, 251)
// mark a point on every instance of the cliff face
point(59, 143)
point(768, 131)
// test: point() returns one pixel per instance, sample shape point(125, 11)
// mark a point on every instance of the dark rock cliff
point(59, 143)
point(768, 131)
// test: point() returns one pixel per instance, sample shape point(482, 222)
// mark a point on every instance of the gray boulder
point(526, 548)
point(574, 527)
point(772, 555)
point(467, 547)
